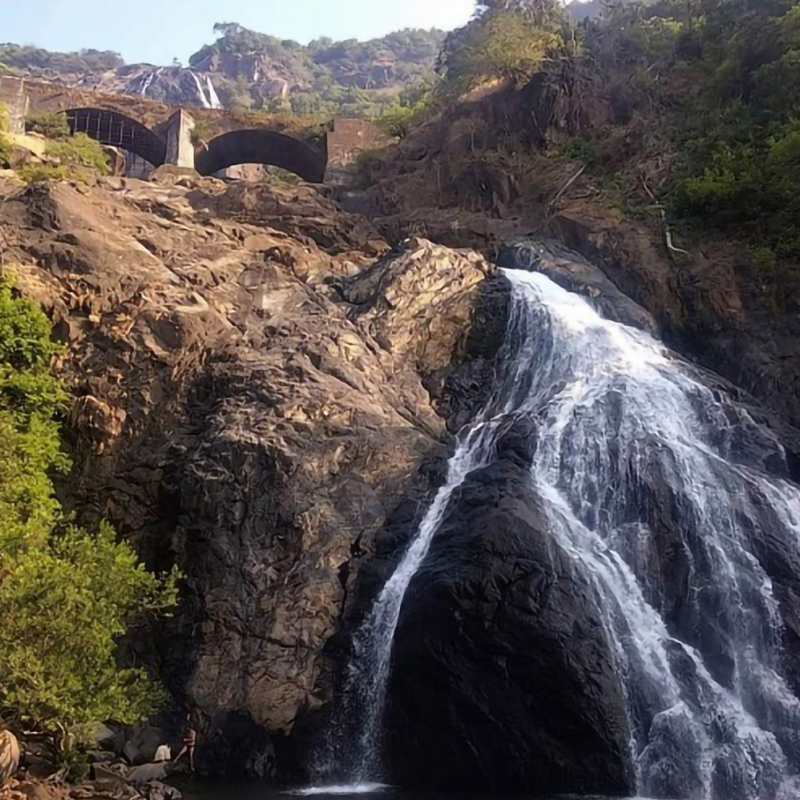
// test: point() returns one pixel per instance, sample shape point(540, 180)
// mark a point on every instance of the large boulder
point(503, 678)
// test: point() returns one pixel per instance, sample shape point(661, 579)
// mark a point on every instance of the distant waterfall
point(148, 80)
point(201, 92)
point(710, 712)
point(213, 98)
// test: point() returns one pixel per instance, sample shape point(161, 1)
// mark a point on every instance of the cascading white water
point(213, 97)
point(148, 80)
point(711, 715)
point(200, 91)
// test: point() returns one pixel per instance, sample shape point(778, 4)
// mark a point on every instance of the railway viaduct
point(171, 140)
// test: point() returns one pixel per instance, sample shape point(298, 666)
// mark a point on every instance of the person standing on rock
point(9, 756)
point(189, 743)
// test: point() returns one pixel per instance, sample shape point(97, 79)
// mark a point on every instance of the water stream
point(619, 420)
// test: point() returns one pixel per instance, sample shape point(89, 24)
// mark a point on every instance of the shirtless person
point(189, 743)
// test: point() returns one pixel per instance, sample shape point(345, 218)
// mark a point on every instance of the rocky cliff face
point(250, 405)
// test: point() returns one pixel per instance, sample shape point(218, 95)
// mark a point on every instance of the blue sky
point(160, 30)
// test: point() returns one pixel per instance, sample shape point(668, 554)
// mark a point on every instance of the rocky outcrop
point(575, 274)
point(477, 175)
point(249, 406)
point(503, 679)
point(265, 396)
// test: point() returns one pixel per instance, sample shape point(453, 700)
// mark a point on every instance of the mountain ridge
point(247, 69)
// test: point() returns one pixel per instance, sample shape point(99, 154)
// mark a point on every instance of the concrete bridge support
point(176, 131)
point(14, 97)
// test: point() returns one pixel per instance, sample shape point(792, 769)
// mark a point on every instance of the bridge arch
point(112, 128)
point(260, 146)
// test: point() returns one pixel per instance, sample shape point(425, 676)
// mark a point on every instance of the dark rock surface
point(502, 676)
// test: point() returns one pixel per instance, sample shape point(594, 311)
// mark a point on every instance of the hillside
point(246, 69)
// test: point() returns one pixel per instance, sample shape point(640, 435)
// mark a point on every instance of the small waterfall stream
point(710, 712)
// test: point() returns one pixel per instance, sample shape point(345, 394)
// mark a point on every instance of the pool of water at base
point(233, 791)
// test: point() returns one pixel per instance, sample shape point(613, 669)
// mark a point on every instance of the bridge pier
point(176, 131)
point(15, 99)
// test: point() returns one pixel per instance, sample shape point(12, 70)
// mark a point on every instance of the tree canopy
point(66, 594)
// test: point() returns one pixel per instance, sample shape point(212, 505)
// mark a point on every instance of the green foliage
point(79, 156)
point(62, 608)
point(500, 43)
point(53, 125)
point(34, 59)
point(585, 150)
point(35, 173)
point(402, 117)
point(79, 151)
point(704, 99)
point(66, 595)
point(539, 13)
point(350, 77)
point(29, 444)
point(203, 131)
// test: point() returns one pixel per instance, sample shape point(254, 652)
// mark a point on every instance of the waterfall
point(213, 97)
point(710, 711)
point(146, 83)
point(200, 91)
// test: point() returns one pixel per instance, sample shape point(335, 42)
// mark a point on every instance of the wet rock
point(574, 273)
point(485, 694)
point(142, 742)
point(156, 790)
point(144, 773)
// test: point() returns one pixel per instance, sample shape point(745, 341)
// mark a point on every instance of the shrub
point(500, 44)
point(66, 595)
point(52, 125)
point(79, 151)
point(62, 609)
point(34, 173)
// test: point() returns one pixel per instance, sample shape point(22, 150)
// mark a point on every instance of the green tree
point(80, 151)
point(62, 609)
point(501, 43)
point(541, 13)
point(66, 595)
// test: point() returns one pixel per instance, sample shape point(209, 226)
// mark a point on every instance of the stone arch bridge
point(170, 142)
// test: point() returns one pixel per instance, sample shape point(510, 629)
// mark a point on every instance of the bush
point(66, 595)
point(80, 151)
point(500, 44)
point(398, 120)
point(34, 173)
point(52, 125)
point(62, 609)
